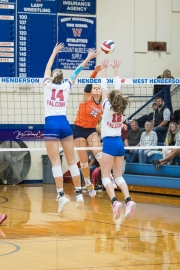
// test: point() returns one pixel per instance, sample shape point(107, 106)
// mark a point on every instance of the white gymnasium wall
point(131, 24)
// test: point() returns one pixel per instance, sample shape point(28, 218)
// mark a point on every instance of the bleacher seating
point(167, 177)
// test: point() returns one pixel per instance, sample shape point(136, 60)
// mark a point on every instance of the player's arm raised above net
point(115, 66)
point(105, 65)
point(58, 48)
point(88, 87)
point(91, 54)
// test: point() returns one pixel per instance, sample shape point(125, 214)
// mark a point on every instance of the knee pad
point(74, 170)
point(98, 156)
point(84, 165)
point(57, 171)
point(119, 180)
point(105, 181)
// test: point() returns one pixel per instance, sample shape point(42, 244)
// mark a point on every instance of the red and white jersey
point(55, 97)
point(111, 121)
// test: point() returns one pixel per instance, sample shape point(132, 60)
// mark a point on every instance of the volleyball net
point(22, 147)
point(22, 104)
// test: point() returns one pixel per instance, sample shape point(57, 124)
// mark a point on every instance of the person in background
point(3, 218)
point(57, 128)
point(96, 179)
point(166, 94)
point(148, 138)
point(147, 117)
point(178, 124)
point(161, 119)
point(114, 106)
point(133, 139)
point(159, 87)
point(158, 163)
point(93, 164)
point(170, 139)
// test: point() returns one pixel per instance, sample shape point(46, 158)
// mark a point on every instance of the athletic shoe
point(3, 218)
point(116, 209)
point(92, 192)
point(156, 164)
point(62, 201)
point(98, 188)
point(79, 201)
point(130, 208)
point(151, 153)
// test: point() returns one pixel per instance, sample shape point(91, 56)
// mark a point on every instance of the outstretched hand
point(116, 64)
point(93, 54)
point(58, 47)
point(105, 64)
point(98, 68)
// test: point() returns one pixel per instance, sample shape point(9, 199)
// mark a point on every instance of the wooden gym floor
point(35, 237)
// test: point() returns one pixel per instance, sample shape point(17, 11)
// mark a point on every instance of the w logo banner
point(78, 35)
point(77, 32)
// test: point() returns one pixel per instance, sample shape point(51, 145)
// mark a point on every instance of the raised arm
point(88, 87)
point(92, 54)
point(105, 65)
point(56, 50)
point(115, 66)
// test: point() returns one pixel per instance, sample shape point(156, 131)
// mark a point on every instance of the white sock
point(87, 181)
point(59, 190)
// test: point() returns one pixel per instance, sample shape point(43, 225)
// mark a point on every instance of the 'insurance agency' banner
point(78, 35)
point(78, 7)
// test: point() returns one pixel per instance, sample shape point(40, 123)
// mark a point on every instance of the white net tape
point(21, 103)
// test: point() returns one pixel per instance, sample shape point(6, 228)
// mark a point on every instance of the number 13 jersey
point(55, 97)
point(111, 121)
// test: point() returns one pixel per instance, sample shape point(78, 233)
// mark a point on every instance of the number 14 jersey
point(111, 121)
point(55, 97)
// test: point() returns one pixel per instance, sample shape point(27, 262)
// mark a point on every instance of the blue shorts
point(57, 126)
point(113, 146)
point(80, 132)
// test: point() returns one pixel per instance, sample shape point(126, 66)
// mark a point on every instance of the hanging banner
point(78, 35)
point(78, 7)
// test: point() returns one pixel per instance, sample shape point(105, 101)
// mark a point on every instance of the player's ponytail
point(57, 76)
point(118, 102)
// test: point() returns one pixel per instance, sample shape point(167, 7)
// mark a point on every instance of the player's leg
point(117, 170)
point(52, 148)
point(93, 140)
point(83, 157)
point(160, 162)
point(106, 165)
point(109, 153)
point(52, 131)
point(80, 140)
point(68, 147)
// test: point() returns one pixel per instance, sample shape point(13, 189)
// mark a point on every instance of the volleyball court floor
point(35, 236)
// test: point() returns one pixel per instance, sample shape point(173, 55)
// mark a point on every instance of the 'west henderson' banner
point(78, 35)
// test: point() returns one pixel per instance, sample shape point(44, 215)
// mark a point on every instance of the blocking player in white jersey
point(57, 128)
point(114, 105)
